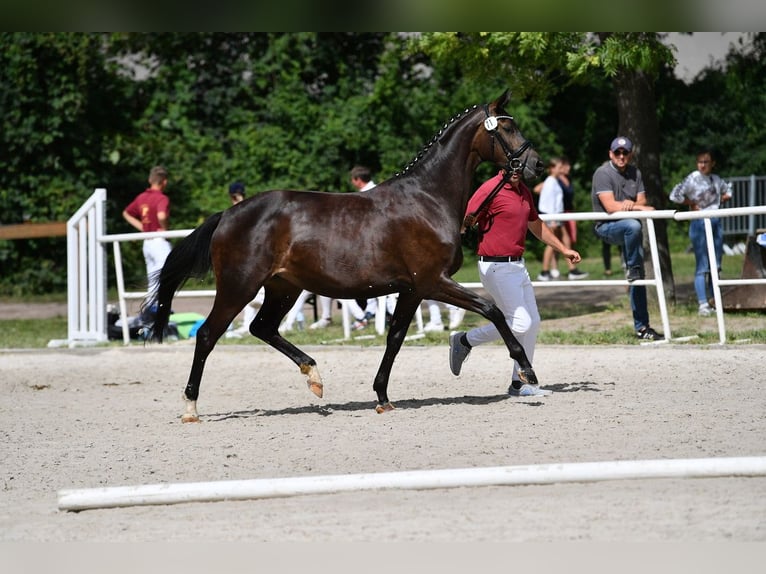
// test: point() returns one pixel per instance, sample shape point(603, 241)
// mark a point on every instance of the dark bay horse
point(401, 237)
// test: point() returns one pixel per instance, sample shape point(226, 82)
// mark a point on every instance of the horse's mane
point(434, 139)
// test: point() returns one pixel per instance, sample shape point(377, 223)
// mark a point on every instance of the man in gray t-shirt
point(617, 186)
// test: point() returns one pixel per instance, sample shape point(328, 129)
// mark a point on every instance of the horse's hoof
point(189, 418)
point(380, 409)
point(316, 388)
point(528, 376)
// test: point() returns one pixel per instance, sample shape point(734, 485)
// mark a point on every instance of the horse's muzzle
point(533, 167)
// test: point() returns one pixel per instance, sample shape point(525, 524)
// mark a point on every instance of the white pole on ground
point(151, 494)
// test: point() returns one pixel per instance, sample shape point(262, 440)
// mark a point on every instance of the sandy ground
point(86, 418)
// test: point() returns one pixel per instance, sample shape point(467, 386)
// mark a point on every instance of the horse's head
point(509, 148)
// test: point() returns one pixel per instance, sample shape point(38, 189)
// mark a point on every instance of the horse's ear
point(503, 99)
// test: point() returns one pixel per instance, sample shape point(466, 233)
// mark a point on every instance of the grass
point(36, 333)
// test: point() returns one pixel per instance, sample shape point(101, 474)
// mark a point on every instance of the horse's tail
point(189, 258)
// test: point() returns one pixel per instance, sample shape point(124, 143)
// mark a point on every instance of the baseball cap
point(237, 187)
point(621, 143)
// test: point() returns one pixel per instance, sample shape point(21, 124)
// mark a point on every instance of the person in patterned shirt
point(704, 191)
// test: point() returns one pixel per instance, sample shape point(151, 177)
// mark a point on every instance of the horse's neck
point(448, 174)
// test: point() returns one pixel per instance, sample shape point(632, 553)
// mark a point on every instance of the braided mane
point(435, 139)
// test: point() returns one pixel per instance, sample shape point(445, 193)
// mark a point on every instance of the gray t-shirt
point(625, 185)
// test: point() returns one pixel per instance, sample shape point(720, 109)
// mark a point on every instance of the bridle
point(514, 165)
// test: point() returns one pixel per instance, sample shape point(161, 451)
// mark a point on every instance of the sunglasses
point(621, 151)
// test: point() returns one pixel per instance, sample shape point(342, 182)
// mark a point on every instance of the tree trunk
point(637, 111)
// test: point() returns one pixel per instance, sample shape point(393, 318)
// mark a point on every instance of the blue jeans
point(703, 284)
point(627, 234)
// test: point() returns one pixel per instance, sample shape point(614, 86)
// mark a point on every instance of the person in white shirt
point(551, 202)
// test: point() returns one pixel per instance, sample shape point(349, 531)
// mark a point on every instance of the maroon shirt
point(147, 205)
point(503, 224)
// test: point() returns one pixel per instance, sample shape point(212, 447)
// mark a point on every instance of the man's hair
point(361, 172)
point(237, 188)
point(158, 174)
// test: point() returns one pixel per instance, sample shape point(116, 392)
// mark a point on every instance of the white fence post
point(86, 274)
point(716, 279)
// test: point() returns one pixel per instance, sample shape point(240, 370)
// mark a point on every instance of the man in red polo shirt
point(502, 226)
point(150, 211)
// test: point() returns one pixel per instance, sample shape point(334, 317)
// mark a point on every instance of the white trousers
point(155, 252)
point(511, 288)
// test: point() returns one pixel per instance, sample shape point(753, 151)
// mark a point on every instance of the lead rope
point(470, 219)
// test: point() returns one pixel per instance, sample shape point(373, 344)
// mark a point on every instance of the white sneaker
point(283, 328)
point(705, 310)
point(455, 318)
point(433, 327)
point(323, 323)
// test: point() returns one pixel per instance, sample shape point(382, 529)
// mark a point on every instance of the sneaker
point(458, 352)
point(359, 325)
point(649, 334)
point(323, 323)
point(634, 273)
point(433, 328)
point(705, 310)
point(577, 274)
point(555, 273)
point(544, 276)
point(528, 390)
point(455, 318)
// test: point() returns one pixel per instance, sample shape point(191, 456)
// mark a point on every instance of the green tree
point(542, 64)
point(61, 108)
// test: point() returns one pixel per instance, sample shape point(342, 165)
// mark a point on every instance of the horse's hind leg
point(280, 297)
point(207, 336)
point(454, 293)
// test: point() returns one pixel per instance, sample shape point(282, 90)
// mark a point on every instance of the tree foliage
point(298, 110)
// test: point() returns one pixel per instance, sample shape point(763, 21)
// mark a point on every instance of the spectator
point(435, 323)
point(617, 186)
point(361, 179)
point(150, 211)
point(702, 190)
point(362, 311)
point(552, 202)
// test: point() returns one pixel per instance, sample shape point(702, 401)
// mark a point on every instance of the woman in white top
point(552, 201)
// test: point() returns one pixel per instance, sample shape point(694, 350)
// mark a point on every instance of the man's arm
point(132, 220)
point(611, 205)
point(544, 234)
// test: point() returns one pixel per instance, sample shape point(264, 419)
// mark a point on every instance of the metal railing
point(746, 192)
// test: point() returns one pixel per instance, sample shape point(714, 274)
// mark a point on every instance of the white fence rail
point(716, 280)
point(86, 253)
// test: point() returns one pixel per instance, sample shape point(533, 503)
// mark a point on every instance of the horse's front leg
point(400, 322)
